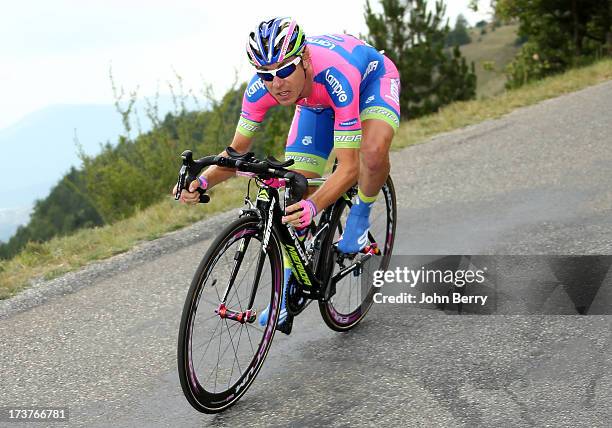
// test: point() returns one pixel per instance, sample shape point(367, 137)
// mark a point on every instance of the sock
point(363, 203)
point(301, 233)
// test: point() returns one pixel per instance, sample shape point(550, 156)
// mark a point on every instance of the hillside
point(41, 147)
point(496, 46)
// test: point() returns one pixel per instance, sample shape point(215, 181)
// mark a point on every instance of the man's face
point(286, 91)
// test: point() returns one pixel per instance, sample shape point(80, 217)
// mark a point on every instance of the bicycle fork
point(249, 315)
point(243, 316)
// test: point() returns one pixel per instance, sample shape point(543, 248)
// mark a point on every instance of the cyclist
point(347, 98)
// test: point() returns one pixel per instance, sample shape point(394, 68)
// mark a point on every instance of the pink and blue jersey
point(352, 82)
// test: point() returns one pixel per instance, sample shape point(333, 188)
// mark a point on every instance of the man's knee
point(375, 145)
point(375, 157)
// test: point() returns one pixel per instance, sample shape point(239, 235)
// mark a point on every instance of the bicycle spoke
point(215, 336)
point(235, 352)
point(249, 336)
point(218, 357)
point(209, 342)
point(232, 372)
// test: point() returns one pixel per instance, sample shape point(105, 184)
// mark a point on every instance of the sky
point(61, 51)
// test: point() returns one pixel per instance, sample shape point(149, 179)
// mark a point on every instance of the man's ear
point(306, 58)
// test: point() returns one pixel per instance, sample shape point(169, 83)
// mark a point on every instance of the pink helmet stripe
point(287, 39)
point(252, 54)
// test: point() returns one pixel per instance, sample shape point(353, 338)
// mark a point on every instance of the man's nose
point(277, 82)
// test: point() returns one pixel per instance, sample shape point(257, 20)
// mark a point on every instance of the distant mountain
point(39, 149)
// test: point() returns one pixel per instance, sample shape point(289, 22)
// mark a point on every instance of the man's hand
point(300, 215)
point(190, 197)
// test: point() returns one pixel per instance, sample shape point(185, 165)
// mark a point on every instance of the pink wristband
point(203, 182)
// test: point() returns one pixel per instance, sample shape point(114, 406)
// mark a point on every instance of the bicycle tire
point(193, 382)
point(340, 316)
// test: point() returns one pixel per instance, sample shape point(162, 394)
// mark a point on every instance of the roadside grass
point(64, 254)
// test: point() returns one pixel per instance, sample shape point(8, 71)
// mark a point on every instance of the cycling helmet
point(274, 40)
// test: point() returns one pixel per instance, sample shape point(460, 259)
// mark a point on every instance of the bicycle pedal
point(286, 326)
point(371, 249)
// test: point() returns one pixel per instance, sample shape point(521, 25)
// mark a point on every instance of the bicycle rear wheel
point(353, 297)
point(219, 357)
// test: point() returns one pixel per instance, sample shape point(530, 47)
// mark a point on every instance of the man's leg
point(374, 156)
point(373, 172)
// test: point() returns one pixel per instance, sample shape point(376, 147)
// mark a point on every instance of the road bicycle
point(222, 345)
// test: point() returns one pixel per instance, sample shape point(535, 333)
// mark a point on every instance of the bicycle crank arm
point(242, 317)
point(370, 250)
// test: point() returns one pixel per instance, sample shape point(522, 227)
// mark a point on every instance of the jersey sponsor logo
point(347, 138)
point(307, 140)
point(384, 112)
point(370, 99)
point(256, 90)
point(337, 86)
point(303, 159)
point(395, 87)
point(336, 38)
point(317, 108)
point(321, 42)
point(349, 122)
point(371, 67)
point(249, 126)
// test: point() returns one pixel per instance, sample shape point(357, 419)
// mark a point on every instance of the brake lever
point(186, 177)
point(180, 183)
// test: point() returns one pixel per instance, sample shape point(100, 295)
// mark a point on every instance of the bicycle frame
point(268, 209)
point(268, 204)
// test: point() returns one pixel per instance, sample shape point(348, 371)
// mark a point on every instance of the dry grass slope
point(494, 46)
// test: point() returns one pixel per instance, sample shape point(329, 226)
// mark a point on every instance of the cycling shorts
point(311, 136)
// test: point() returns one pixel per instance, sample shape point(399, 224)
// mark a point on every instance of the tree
point(560, 34)
point(459, 35)
point(414, 39)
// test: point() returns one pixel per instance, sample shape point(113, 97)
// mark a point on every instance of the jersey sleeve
point(342, 85)
point(255, 103)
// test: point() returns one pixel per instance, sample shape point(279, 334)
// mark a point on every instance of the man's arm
point(345, 175)
point(217, 174)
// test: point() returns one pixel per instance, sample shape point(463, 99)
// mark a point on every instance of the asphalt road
point(538, 181)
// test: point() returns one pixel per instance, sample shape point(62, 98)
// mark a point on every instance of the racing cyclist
point(347, 98)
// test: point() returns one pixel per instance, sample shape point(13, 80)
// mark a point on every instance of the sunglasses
point(282, 72)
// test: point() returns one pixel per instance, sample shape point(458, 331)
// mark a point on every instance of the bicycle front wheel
point(353, 297)
point(219, 356)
